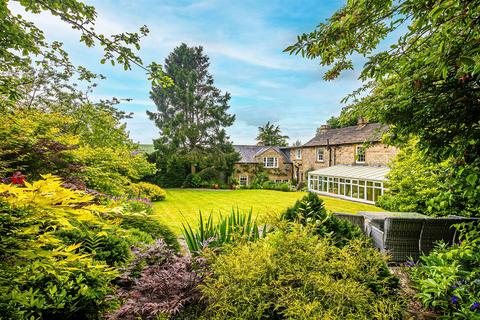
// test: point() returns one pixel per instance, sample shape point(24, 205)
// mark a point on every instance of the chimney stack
point(361, 121)
point(323, 128)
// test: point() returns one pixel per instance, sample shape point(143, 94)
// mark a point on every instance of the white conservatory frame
point(357, 183)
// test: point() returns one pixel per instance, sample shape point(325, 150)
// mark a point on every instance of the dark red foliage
point(166, 285)
point(17, 178)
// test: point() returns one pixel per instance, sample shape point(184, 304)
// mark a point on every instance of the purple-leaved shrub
point(158, 282)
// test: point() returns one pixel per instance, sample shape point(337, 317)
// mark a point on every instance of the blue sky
point(244, 40)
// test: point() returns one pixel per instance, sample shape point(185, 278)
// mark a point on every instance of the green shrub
point(111, 247)
point(146, 190)
point(296, 275)
point(310, 211)
point(229, 229)
point(52, 288)
point(209, 174)
point(448, 279)
point(193, 180)
point(152, 227)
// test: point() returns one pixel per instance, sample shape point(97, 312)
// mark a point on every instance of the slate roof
point(354, 134)
point(355, 172)
point(248, 153)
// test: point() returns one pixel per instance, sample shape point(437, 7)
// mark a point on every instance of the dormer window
point(270, 162)
point(360, 154)
point(320, 154)
point(298, 154)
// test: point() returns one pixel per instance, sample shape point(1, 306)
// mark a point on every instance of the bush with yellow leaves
point(43, 277)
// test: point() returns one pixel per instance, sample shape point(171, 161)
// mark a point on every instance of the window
point(286, 181)
point(278, 181)
point(320, 154)
point(243, 180)
point(270, 162)
point(298, 154)
point(360, 154)
point(361, 190)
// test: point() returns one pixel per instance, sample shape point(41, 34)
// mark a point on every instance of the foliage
point(111, 170)
point(431, 73)
point(152, 227)
point(112, 248)
point(164, 286)
point(310, 210)
point(192, 116)
point(24, 44)
point(296, 275)
point(43, 277)
point(37, 142)
point(271, 135)
point(448, 278)
point(236, 227)
point(146, 190)
point(434, 188)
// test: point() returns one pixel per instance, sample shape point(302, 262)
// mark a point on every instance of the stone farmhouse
point(348, 162)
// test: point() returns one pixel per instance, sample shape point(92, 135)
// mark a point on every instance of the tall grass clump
point(236, 226)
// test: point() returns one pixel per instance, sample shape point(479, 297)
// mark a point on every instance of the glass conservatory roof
point(354, 172)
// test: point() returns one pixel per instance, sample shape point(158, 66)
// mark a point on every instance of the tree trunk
point(193, 169)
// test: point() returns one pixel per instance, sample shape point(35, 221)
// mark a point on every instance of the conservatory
point(357, 183)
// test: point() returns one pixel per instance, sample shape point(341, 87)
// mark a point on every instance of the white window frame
point(298, 154)
point(317, 152)
point(357, 157)
point(240, 180)
point(286, 180)
point(274, 162)
point(278, 180)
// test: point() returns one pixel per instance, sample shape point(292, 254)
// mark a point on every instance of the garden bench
point(400, 237)
point(355, 219)
point(435, 230)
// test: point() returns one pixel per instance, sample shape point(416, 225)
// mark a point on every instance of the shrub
point(232, 228)
point(193, 180)
point(138, 205)
point(146, 190)
point(209, 174)
point(296, 275)
point(157, 284)
point(152, 227)
point(42, 276)
point(111, 247)
point(310, 211)
point(69, 287)
point(448, 279)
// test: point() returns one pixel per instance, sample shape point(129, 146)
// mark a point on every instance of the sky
point(244, 40)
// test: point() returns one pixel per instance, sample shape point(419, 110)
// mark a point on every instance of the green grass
point(181, 205)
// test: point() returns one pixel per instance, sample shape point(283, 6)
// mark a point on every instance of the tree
point(297, 143)
point(192, 113)
point(23, 44)
point(425, 85)
point(271, 135)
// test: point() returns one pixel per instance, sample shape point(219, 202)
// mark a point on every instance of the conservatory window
point(357, 189)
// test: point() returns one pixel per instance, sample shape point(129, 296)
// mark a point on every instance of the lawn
point(181, 205)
